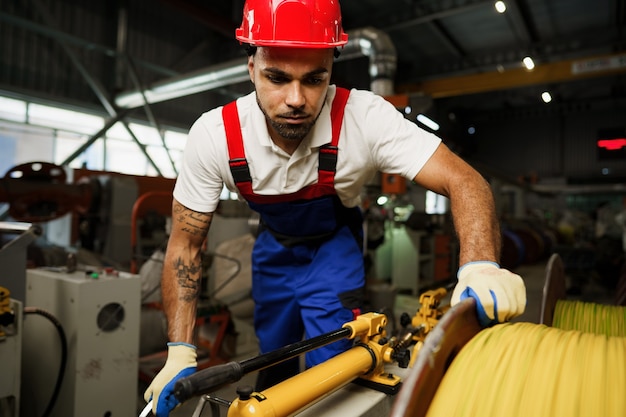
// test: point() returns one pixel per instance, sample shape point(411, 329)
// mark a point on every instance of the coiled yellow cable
point(590, 317)
point(526, 369)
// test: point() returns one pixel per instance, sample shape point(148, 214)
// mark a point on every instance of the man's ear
point(251, 68)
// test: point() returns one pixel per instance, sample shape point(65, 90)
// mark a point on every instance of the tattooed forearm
point(192, 230)
point(192, 222)
point(201, 218)
point(188, 277)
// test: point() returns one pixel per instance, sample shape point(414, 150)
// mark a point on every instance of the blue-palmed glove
point(181, 362)
point(500, 294)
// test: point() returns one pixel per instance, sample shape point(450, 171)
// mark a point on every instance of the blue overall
point(307, 262)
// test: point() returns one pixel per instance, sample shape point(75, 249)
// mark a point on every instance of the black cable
point(63, 339)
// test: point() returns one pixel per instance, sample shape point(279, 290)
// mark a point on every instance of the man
point(299, 151)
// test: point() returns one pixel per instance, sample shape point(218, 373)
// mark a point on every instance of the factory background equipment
point(14, 239)
point(10, 354)
point(99, 314)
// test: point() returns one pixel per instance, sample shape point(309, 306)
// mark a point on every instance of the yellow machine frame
point(366, 360)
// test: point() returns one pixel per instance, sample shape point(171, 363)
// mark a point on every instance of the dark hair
point(250, 49)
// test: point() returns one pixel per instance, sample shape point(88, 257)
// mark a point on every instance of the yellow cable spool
point(590, 317)
point(526, 369)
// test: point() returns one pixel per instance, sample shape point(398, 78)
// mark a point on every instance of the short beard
point(287, 130)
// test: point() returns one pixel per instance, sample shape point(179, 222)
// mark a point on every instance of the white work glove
point(181, 362)
point(500, 294)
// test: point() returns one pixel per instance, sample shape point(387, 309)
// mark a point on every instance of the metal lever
point(210, 379)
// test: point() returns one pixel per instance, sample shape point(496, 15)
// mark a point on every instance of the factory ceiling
point(462, 51)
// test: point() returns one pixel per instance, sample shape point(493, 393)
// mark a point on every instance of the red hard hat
point(292, 23)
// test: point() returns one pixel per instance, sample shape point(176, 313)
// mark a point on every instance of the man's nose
point(295, 95)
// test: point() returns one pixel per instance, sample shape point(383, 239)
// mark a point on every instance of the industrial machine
point(10, 354)
point(364, 362)
point(14, 240)
point(366, 376)
point(538, 366)
point(99, 313)
point(416, 328)
point(95, 207)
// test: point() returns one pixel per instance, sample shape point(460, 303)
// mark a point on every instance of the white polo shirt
point(374, 137)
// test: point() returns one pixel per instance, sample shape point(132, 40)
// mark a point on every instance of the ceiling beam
point(86, 45)
point(527, 24)
point(569, 70)
point(443, 13)
point(205, 16)
point(444, 36)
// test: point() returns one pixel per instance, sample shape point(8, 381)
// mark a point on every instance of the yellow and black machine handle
point(365, 361)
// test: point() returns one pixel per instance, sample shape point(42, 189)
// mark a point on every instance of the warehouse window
point(42, 132)
point(147, 135)
point(436, 203)
point(122, 156)
point(63, 119)
point(175, 140)
point(14, 110)
point(66, 143)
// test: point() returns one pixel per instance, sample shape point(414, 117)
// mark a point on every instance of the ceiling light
point(427, 122)
point(500, 6)
point(528, 63)
point(546, 97)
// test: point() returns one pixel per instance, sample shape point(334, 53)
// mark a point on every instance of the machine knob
point(405, 319)
point(403, 357)
point(244, 392)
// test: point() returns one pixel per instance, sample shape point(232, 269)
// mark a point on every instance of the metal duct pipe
point(369, 42)
point(376, 45)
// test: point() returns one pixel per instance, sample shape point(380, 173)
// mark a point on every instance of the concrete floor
point(534, 277)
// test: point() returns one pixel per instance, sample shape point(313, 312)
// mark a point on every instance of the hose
point(63, 340)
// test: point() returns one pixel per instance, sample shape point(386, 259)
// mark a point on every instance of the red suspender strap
point(230, 115)
point(327, 156)
point(328, 152)
point(336, 113)
point(238, 164)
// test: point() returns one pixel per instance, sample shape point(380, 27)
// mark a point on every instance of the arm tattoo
point(188, 277)
point(193, 222)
